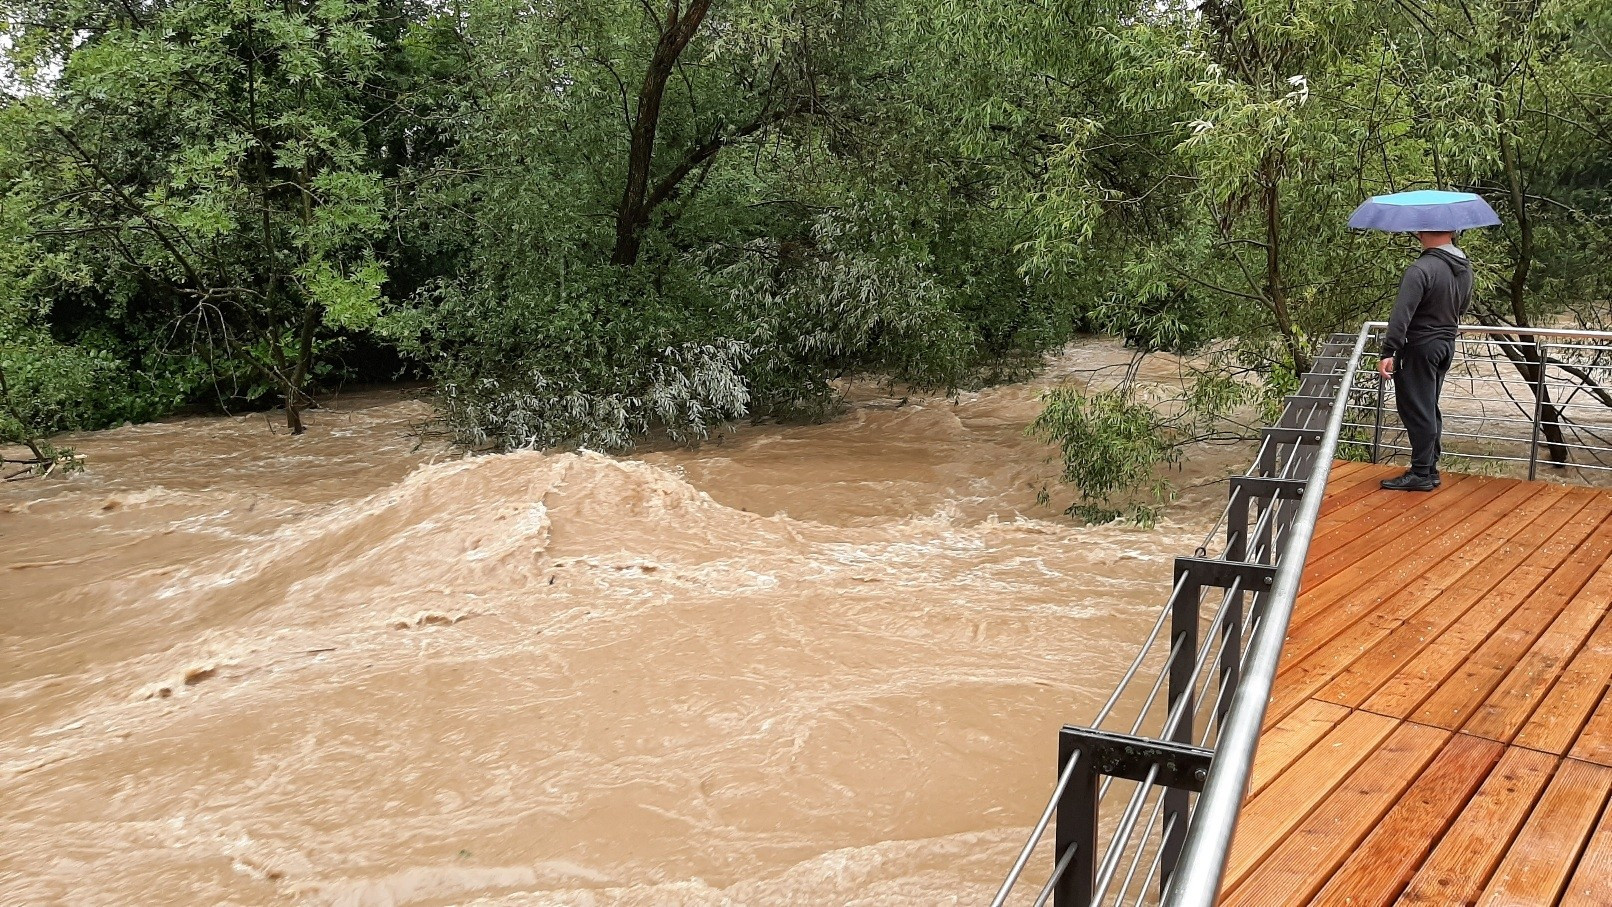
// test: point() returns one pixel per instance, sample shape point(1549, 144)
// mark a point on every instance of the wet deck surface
point(1441, 731)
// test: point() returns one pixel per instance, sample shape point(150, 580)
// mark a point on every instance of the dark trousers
point(1419, 371)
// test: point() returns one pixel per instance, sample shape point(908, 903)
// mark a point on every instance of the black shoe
point(1411, 481)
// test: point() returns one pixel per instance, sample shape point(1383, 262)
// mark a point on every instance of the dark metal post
point(1184, 619)
point(1237, 525)
point(1077, 827)
point(1539, 408)
point(1377, 434)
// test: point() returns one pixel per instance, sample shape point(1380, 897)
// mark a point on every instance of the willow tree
point(1266, 122)
point(677, 213)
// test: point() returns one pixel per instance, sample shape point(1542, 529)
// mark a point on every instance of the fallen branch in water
point(49, 460)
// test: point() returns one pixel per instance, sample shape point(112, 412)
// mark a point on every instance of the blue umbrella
point(1425, 209)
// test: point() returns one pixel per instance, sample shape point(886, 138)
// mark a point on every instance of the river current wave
point(803, 665)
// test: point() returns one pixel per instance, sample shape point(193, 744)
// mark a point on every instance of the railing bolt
point(1200, 774)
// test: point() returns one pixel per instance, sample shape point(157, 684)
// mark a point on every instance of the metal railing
point(1181, 761)
point(1499, 415)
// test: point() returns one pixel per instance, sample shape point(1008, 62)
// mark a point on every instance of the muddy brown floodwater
point(814, 665)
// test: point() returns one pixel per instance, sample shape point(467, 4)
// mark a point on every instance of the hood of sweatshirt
point(1458, 263)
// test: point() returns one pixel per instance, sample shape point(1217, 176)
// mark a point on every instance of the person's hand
point(1385, 367)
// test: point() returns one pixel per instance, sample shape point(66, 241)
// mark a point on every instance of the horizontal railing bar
point(1374, 326)
point(1520, 348)
point(1585, 404)
point(1492, 456)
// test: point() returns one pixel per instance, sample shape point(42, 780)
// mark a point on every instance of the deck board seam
point(1463, 731)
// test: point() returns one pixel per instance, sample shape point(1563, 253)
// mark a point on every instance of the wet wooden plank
point(1345, 498)
point(1304, 859)
point(1536, 868)
point(1351, 486)
point(1441, 588)
point(1529, 682)
point(1288, 799)
point(1359, 591)
point(1362, 495)
point(1487, 560)
point(1385, 522)
point(1382, 534)
point(1384, 863)
point(1345, 473)
point(1394, 566)
point(1284, 742)
point(1594, 743)
point(1460, 693)
point(1591, 885)
point(1419, 677)
point(1468, 852)
point(1415, 680)
point(1555, 725)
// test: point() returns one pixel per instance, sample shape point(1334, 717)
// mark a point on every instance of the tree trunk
point(28, 438)
point(1532, 367)
point(633, 215)
point(310, 316)
point(296, 399)
point(1275, 290)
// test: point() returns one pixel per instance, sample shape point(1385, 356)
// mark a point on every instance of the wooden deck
point(1441, 731)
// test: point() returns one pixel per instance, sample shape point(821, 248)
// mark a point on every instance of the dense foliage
point(597, 220)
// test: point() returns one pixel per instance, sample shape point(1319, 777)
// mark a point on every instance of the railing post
point(1541, 364)
point(1237, 525)
point(1184, 618)
point(1076, 827)
point(1377, 433)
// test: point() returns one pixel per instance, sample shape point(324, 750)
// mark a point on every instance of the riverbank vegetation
point(595, 220)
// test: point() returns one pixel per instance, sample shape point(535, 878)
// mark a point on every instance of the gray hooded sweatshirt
point(1433, 296)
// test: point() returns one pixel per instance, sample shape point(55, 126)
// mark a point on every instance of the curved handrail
point(1196, 880)
point(1330, 406)
point(1254, 544)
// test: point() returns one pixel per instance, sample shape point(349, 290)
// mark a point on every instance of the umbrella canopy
point(1426, 209)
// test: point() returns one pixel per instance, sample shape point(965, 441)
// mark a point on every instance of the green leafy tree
point(204, 165)
point(693, 212)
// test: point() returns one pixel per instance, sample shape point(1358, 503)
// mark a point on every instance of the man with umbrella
point(1433, 295)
